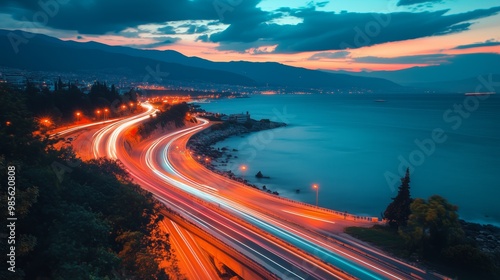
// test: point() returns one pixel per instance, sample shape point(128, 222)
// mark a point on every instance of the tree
point(68, 225)
point(398, 211)
point(433, 225)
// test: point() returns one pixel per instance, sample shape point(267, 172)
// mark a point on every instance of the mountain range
point(41, 52)
point(461, 73)
point(45, 53)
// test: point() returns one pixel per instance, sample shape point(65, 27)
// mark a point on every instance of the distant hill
point(460, 74)
point(45, 53)
point(264, 73)
point(481, 83)
point(48, 53)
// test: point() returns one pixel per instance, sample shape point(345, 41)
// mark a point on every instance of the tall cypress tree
point(398, 211)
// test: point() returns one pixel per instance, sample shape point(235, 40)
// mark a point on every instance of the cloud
point(165, 41)
point(430, 59)
point(101, 17)
point(243, 25)
point(487, 43)
point(196, 29)
point(202, 38)
point(324, 31)
point(322, 4)
point(167, 30)
point(329, 55)
point(413, 2)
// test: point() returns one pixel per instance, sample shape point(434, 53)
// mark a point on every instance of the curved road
point(296, 223)
point(283, 236)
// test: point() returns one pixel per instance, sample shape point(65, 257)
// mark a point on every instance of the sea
point(356, 147)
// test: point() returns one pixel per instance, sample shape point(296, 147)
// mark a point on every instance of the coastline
point(204, 152)
point(485, 236)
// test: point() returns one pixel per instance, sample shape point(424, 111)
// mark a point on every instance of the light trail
point(105, 137)
point(170, 169)
point(242, 211)
point(308, 216)
point(190, 244)
point(115, 130)
point(209, 223)
point(79, 127)
point(272, 237)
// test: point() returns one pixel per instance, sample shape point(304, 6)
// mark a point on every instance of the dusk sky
point(349, 35)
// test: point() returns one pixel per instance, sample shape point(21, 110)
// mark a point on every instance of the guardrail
point(344, 215)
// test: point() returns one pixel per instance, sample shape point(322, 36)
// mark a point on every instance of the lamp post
point(46, 122)
point(106, 114)
point(316, 187)
point(98, 112)
point(78, 116)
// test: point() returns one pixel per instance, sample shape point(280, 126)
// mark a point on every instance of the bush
point(467, 257)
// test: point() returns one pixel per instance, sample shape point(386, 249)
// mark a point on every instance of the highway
point(291, 240)
point(192, 261)
point(295, 223)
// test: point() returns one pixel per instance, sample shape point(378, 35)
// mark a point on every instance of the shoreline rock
point(201, 144)
point(485, 237)
point(260, 176)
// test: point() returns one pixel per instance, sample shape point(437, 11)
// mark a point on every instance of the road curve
point(299, 224)
point(281, 235)
point(277, 256)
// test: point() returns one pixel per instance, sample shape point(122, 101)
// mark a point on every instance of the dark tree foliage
point(75, 222)
point(175, 114)
point(66, 99)
point(468, 257)
point(16, 127)
point(101, 95)
point(433, 225)
point(398, 211)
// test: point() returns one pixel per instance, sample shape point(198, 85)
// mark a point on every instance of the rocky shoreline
point(202, 143)
point(485, 237)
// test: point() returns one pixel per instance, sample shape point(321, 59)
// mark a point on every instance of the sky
point(351, 35)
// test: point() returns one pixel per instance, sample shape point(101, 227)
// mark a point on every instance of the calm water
point(355, 149)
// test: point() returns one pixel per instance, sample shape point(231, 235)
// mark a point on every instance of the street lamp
point(46, 122)
point(98, 114)
point(106, 113)
point(78, 116)
point(316, 187)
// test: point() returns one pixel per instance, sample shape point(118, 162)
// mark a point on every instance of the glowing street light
point(45, 122)
point(98, 112)
point(106, 113)
point(78, 114)
point(243, 168)
point(316, 187)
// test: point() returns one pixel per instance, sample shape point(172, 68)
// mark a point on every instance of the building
point(239, 118)
point(17, 80)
